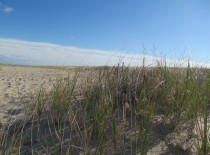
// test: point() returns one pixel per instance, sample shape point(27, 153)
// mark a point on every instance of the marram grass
point(110, 110)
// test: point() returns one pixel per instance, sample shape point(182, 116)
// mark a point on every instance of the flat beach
point(19, 83)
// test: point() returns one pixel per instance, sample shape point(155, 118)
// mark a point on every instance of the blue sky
point(173, 27)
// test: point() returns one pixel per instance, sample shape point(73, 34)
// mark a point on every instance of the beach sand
point(18, 83)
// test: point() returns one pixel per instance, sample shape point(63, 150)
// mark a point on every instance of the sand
point(18, 83)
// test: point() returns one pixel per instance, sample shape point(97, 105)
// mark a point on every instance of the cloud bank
point(38, 53)
point(5, 8)
point(15, 51)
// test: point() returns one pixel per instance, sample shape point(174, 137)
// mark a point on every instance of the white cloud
point(5, 8)
point(38, 53)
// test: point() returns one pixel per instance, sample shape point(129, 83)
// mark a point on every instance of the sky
point(92, 32)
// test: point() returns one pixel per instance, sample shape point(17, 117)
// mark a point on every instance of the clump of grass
point(110, 110)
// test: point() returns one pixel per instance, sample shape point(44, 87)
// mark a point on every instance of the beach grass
point(112, 110)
